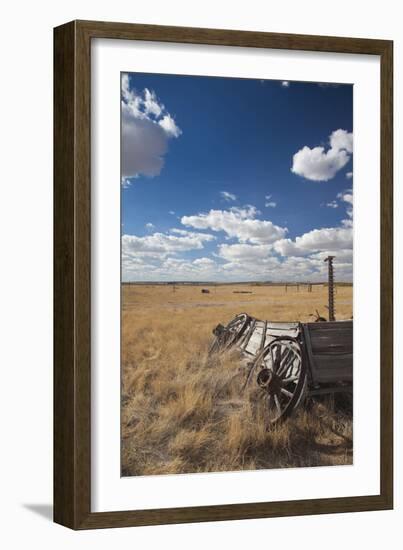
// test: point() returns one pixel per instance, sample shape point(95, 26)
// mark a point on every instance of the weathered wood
point(332, 389)
point(252, 342)
point(251, 328)
point(329, 349)
point(264, 334)
point(331, 326)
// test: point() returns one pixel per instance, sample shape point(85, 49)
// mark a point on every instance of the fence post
point(329, 260)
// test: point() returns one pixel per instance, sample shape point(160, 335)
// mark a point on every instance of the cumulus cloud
point(150, 226)
point(237, 262)
point(244, 252)
point(340, 140)
point(347, 197)
point(344, 256)
point(239, 223)
point(146, 129)
point(331, 238)
point(349, 175)
point(285, 84)
point(228, 197)
point(319, 165)
point(169, 126)
point(162, 244)
point(204, 263)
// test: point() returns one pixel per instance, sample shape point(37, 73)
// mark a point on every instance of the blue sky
point(235, 179)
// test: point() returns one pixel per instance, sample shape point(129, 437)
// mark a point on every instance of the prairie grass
point(184, 412)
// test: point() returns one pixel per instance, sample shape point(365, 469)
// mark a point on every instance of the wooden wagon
point(289, 361)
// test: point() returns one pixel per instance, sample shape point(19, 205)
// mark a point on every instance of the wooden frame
point(72, 320)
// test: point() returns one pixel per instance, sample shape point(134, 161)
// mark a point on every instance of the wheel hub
point(270, 381)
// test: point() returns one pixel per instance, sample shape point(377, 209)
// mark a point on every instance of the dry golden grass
point(184, 412)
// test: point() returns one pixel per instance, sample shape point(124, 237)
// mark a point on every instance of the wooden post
point(329, 260)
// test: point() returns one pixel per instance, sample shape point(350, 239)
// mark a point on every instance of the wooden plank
point(282, 326)
point(264, 333)
point(251, 329)
point(330, 376)
point(332, 349)
point(332, 341)
point(328, 336)
point(333, 368)
point(332, 326)
point(348, 388)
point(253, 344)
point(308, 346)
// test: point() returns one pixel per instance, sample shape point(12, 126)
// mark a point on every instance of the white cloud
point(345, 256)
point(172, 212)
point(228, 196)
point(285, 84)
point(151, 105)
point(269, 203)
point(204, 263)
point(332, 204)
point(340, 140)
point(238, 262)
point(146, 129)
point(169, 125)
point(150, 226)
point(242, 252)
point(319, 165)
point(161, 244)
point(239, 223)
point(332, 238)
point(346, 196)
point(287, 247)
point(349, 175)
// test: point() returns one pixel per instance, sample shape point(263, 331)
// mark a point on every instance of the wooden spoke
point(268, 401)
point(290, 379)
point(286, 360)
point(286, 392)
point(277, 402)
point(277, 360)
point(272, 358)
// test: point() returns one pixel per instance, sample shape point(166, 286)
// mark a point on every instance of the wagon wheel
point(236, 329)
point(280, 373)
point(230, 335)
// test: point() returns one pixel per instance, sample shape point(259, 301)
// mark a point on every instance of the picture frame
point(72, 274)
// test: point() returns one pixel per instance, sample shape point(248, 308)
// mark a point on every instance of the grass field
point(183, 411)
